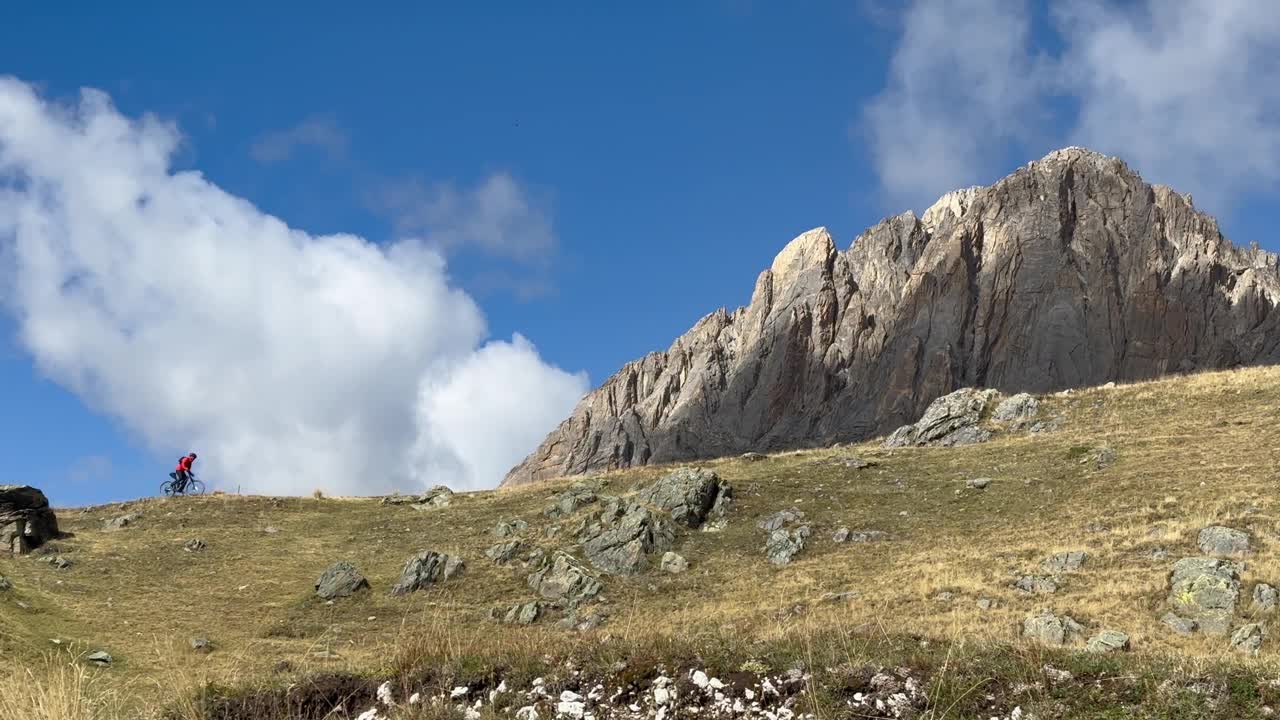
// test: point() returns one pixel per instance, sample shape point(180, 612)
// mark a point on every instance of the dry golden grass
point(1190, 452)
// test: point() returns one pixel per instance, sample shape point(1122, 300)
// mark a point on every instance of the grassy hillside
point(1188, 453)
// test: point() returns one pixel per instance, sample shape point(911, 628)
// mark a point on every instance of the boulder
point(978, 483)
point(841, 535)
point(1248, 638)
point(100, 657)
point(1017, 410)
point(1222, 541)
point(753, 456)
point(1264, 598)
point(5, 584)
point(689, 494)
point(510, 527)
point(425, 569)
point(201, 645)
point(1050, 629)
point(625, 537)
point(1205, 590)
point(340, 580)
point(122, 521)
point(1180, 625)
point(437, 497)
point(783, 544)
point(562, 578)
point(569, 501)
point(523, 613)
point(194, 545)
point(1064, 561)
point(1100, 457)
point(1038, 584)
point(504, 552)
point(1108, 641)
point(673, 563)
point(780, 518)
point(26, 520)
point(862, 536)
point(950, 420)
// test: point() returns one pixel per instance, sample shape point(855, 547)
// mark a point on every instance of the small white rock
point(370, 714)
point(700, 679)
point(415, 698)
point(458, 692)
point(384, 694)
point(528, 712)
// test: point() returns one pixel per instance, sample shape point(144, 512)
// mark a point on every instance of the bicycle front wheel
point(167, 487)
point(195, 487)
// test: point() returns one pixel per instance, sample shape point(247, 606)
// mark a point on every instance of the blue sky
point(598, 179)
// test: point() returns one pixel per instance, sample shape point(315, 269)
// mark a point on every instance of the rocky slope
point(1069, 272)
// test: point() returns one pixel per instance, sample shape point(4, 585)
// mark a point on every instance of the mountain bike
point(173, 486)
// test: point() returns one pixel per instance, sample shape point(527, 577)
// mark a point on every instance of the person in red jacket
point(183, 473)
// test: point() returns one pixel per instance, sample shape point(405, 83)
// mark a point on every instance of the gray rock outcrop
point(1018, 410)
point(438, 496)
point(1248, 638)
point(1223, 541)
point(1072, 271)
point(1050, 629)
point(689, 494)
point(505, 552)
point(674, 563)
point(1108, 641)
point(1064, 561)
point(1205, 590)
point(1264, 598)
point(625, 536)
point(950, 420)
point(563, 579)
point(425, 569)
point(340, 580)
point(26, 520)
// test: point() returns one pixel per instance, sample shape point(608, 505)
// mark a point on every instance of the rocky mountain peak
point(1070, 271)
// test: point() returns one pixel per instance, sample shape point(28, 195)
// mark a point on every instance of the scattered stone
point(523, 613)
point(1108, 641)
point(689, 494)
point(1248, 638)
point(425, 569)
point(194, 545)
point(1100, 457)
point(1051, 629)
point(510, 527)
point(340, 580)
point(837, 597)
point(783, 545)
point(1223, 541)
point(1064, 561)
point(56, 561)
point(1043, 426)
point(560, 577)
point(945, 596)
point(841, 535)
point(862, 536)
point(201, 645)
point(5, 584)
point(271, 530)
point(753, 456)
point(673, 563)
point(99, 657)
point(625, 537)
point(950, 420)
point(985, 604)
point(1037, 584)
point(569, 501)
point(855, 463)
point(1055, 675)
point(26, 520)
point(505, 552)
point(1264, 598)
point(122, 521)
point(1180, 625)
point(438, 496)
point(1206, 590)
point(780, 518)
point(978, 483)
point(1017, 410)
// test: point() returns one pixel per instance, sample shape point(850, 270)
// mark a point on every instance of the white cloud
point(320, 132)
point(288, 361)
point(496, 217)
point(1182, 89)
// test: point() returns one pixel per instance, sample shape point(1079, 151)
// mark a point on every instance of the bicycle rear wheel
point(194, 487)
point(167, 487)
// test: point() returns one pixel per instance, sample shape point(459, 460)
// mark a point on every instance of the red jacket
point(185, 464)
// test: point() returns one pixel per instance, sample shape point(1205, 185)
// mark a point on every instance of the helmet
point(191, 455)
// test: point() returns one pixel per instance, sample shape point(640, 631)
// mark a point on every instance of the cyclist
point(182, 475)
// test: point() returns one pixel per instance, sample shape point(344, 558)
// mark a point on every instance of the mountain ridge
point(1069, 271)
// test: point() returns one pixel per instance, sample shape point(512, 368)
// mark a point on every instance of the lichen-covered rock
point(625, 537)
point(1017, 410)
point(783, 544)
point(674, 563)
point(340, 580)
point(505, 552)
point(425, 569)
point(1050, 629)
point(569, 501)
point(510, 527)
point(1108, 641)
point(1205, 590)
point(1178, 624)
point(438, 496)
point(560, 577)
point(1039, 584)
point(950, 420)
point(1248, 638)
point(523, 613)
point(689, 494)
point(1223, 541)
point(780, 518)
point(1264, 598)
point(1064, 561)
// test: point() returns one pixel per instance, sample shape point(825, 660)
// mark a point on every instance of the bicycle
point(174, 487)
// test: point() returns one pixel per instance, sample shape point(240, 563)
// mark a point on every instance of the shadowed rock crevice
point(1071, 271)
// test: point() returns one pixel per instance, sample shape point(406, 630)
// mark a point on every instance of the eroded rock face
point(1204, 590)
point(561, 578)
point(1071, 271)
point(689, 494)
point(340, 580)
point(425, 569)
point(26, 520)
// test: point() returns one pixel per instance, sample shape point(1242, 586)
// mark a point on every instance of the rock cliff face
point(1071, 271)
